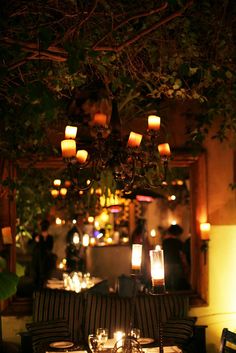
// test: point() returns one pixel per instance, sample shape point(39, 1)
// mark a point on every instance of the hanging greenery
point(144, 53)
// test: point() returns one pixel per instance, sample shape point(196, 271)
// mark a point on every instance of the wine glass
point(93, 342)
point(102, 335)
point(135, 333)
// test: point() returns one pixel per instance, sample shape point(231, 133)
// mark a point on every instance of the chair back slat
point(228, 341)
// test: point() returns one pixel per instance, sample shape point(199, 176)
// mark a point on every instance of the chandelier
point(134, 161)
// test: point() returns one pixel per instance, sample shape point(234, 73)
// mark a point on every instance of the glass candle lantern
point(136, 256)
point(157, 269)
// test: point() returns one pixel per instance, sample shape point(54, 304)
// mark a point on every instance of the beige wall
point(221, 311)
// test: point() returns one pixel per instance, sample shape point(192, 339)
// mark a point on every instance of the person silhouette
point(176, 264)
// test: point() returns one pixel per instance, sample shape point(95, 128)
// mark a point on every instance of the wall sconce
point(205, 237)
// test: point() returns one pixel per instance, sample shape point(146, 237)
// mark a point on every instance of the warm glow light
point(96, 225)
point(92, 241)
point(70, 132)
point(54, 192)
point(144, 198)
point(57, 182)
point(125, 239)
point(109, 240)
point(67, 183)
point(7, 235)
point(153, 233)
point(63, 191)
point(85, 240)
point(164, 149)
point(205, 231)
point(136, 256)
point(172, 197)
point(115, 208)
point(58, 221)
point(68, 148)
point(174, 222)
point(157, 267)
point(76, 238)
point(104, 217)
point(90, 219)
point(118, 335)
point(134, 139)
point(154, 122)
point(100, 119)
point(81, 156)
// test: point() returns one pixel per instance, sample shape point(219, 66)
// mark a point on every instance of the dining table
point(69, 346)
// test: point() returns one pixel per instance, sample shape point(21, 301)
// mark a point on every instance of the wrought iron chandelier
point(135, 161)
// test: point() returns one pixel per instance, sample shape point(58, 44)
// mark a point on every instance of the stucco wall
point(221, 311)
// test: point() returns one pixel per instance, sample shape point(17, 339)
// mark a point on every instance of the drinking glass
point(93, 342)
point(135, 332)
point(102, 335)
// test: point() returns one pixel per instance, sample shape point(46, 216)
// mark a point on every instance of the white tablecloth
point(168, 349)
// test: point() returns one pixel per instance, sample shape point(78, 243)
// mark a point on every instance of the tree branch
point(144, 32)
point(127, 20)
point(87, 17)
point(58, 54)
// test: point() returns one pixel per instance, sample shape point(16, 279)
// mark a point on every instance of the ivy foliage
point(145, 54)
point(140, 50)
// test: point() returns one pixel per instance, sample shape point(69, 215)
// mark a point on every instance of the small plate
point(61, 344)
point(144, 340)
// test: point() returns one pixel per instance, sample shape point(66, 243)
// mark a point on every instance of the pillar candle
point(154, 122)
point(81, 156)
point(70, 132)
point(134, 139)
point(164, 149)
point(68, 148)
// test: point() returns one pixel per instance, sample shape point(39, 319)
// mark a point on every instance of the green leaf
point(8, 284)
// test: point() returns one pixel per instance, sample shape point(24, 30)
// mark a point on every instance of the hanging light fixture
point(133, 162)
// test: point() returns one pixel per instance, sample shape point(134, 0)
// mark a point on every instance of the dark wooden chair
point(228, 341)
